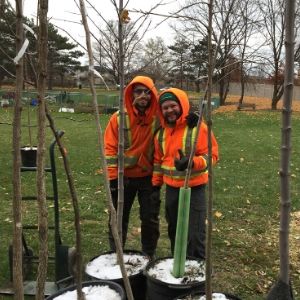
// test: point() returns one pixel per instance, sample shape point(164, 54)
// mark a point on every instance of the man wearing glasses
point(141, 123)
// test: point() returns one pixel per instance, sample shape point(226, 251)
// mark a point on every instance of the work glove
point(192, 119)
point(181, 163)
point(154, 196)
point(113, 184)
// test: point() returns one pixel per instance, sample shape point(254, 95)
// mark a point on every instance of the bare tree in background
point(17, 197)
point(155, 60)
point(227, 34)
point(108, 46)
point(250, 17)
point(272, 12)
point(107, 43)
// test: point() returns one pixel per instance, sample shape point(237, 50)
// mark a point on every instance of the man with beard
point(141, 123)
point(173, 144)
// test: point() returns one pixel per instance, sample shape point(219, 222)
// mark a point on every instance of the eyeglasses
point(141, 91)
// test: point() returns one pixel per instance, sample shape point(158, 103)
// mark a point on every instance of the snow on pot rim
point(27, 148)
point(93, 290)
point(201, 296)
point(28, 156)
point(160, 270)
point(105, 265)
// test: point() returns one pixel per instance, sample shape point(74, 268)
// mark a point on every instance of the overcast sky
point(65, 14)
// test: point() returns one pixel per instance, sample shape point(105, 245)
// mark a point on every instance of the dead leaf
point(136, 231)
point(218, 214)
point(99, 172)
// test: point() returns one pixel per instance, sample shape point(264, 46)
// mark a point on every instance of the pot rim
point(70, 288)
point(151, 263)
point(202, 293)
point(125, 251)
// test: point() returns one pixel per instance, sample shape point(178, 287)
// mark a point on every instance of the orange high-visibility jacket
point(168, 140)
point(138, 135)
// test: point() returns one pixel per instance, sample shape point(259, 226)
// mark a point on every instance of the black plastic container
point(28, 156)
point(137, 281)
point(160, 290)
point(112, 285)
point(196, 295)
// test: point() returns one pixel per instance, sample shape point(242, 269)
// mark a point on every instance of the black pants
point(196, 234)
point(149, 212)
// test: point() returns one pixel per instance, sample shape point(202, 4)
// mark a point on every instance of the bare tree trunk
point(282, 290)
point(121, 127)
point(40, 177)
point(277, 94)
point(2, 2)
point(222, 89)
point(285, 202)
point(17, 197)
point(208, 261)
point(243, 73)
point(113, 222)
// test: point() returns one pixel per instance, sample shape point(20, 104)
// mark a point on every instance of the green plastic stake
point(181, 232)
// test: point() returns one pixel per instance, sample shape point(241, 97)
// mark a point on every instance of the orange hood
point(152, 110)
point(184, 102)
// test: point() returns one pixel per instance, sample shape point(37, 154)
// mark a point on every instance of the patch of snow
point(215, 296)
point(66, 109)
point(194, 271)
point(106, 267)
point(92, 293)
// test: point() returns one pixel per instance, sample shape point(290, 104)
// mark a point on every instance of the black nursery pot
point(137, 281)
point(112, 285)
point(196, 295)
point(28, 156)
point(160, 290)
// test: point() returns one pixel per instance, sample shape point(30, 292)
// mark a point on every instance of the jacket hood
point(184, 102)
point(148, 82)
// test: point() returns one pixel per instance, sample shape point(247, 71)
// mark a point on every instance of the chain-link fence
point(79, 102)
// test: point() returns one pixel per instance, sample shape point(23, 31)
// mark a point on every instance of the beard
point(142, 105)
point(172, 118)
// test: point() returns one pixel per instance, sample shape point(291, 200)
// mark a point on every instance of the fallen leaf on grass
point(98, 172)
point(136, 231)
point(218, 214)
point(227, 243)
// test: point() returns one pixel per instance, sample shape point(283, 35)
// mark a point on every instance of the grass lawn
point(246, 197)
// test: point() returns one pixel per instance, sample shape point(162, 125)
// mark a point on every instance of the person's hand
point(155, 193)
point(181, 163)
point(192, 119)
point(113, 184)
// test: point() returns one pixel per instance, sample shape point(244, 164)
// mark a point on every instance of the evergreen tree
point(182, 70)
point(62, 55)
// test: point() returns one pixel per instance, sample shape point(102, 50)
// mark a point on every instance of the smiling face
point(171, 111)
point(141, 97)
